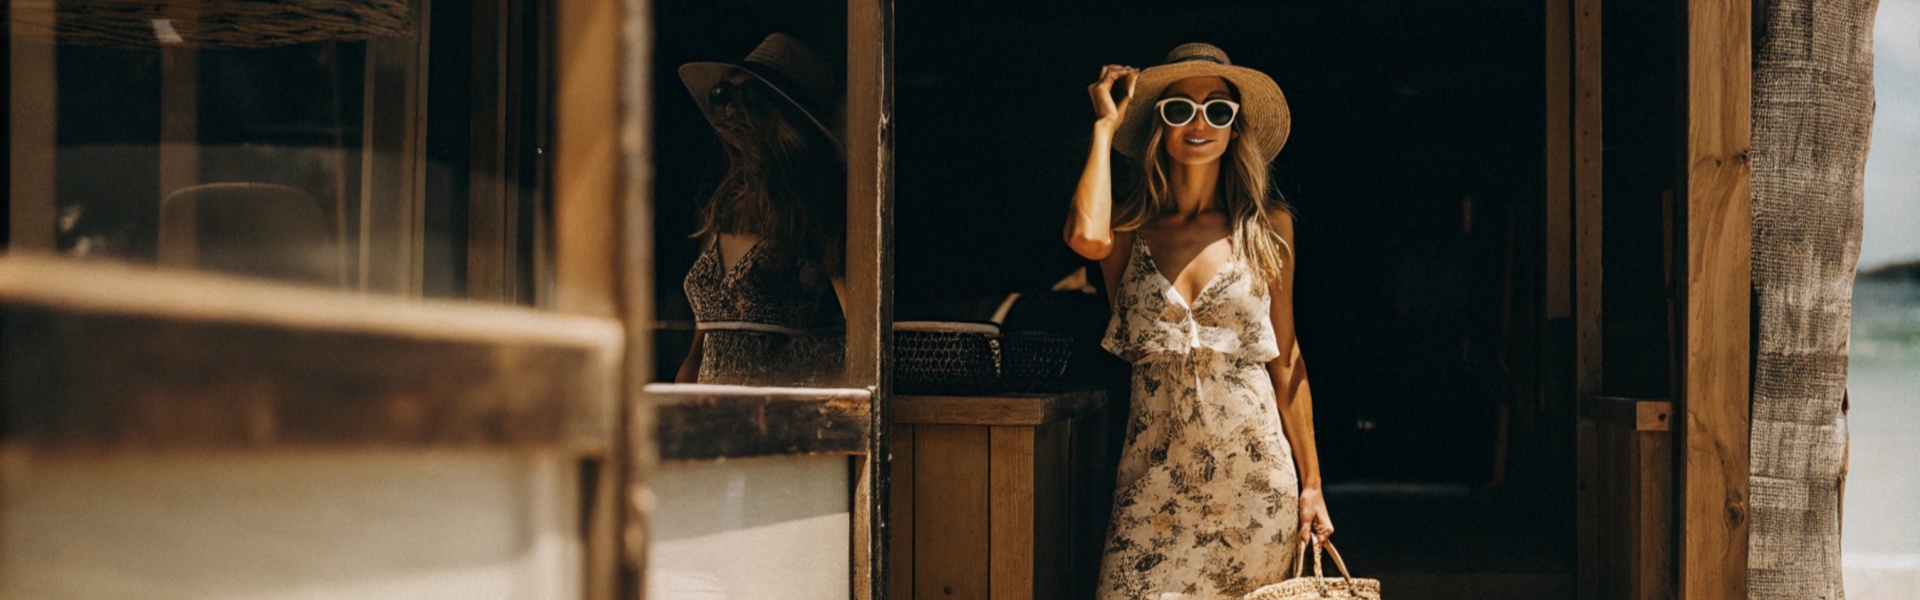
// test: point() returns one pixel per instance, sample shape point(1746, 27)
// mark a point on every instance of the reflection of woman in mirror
point(765, 287)
point(1219, 478)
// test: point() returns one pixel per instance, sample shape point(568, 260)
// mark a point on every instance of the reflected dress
point(1206, 504)
point(772, 319)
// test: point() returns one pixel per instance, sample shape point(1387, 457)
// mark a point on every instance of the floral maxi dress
point(1206, 504)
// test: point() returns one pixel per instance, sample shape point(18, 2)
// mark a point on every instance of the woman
point(1219, 477)
point(765, 289)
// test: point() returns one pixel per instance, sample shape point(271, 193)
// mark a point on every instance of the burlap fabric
point(1812, 113)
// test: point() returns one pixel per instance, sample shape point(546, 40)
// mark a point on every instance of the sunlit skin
point(1191, 245)
point(728, 119)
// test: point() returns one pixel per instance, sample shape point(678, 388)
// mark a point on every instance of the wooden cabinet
point(1001, 497)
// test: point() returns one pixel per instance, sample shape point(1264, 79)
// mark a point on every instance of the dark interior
point(1416, 169)
point(1415, 166)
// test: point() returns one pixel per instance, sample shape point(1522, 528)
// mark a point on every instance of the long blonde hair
point(1244, 194)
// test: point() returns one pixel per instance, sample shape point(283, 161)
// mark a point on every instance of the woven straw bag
point(1319, 587)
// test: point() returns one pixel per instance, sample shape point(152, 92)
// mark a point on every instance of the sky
point(1892, 228)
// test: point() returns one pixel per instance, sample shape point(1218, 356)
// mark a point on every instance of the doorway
point(1415, 166)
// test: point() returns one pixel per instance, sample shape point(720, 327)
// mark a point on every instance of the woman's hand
point(1108, 113)
point(1313, 515)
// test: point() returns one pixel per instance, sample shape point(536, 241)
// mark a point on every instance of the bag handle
point(1300, 559)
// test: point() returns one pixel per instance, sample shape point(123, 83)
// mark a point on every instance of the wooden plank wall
point(1715, 391)
point(953, 484)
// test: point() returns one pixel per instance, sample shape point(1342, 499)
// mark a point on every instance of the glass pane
point(750, 200)
point(376, 145)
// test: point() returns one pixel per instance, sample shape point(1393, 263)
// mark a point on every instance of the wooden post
point(603, 228)
point(1718, 275)
point(1559, 223)
point(869, 143)
point(1584, 178)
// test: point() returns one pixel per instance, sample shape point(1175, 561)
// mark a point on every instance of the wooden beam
point(588, 163)
point(1559, 161)
point(1592, 516)
point(1718, 274)
point(699, 422)
point(1587, 199)
point(869, 276)
point(33, 109)
point(602, 223)
point(103, 358)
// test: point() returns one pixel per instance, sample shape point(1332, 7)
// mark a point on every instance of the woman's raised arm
point(1089, 229)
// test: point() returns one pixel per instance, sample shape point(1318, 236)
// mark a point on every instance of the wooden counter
point(998, 496)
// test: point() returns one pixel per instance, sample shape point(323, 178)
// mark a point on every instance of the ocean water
point(1881, 512)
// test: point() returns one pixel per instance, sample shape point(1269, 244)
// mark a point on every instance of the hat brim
point(1263, 107)
point(699, 77)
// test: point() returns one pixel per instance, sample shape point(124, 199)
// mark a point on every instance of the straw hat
point(1261, 104)
point(785, 65)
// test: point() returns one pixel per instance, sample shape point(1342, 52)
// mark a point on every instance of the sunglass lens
point(723, 93)
point(1177, 113)
point(1219, 114)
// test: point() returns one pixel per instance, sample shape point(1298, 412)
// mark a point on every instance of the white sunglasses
point(1177, 111)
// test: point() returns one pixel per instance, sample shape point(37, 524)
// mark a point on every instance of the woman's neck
point(1194, 187)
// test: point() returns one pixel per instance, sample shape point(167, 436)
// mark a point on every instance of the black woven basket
point(973, 358)
point(1031, 360)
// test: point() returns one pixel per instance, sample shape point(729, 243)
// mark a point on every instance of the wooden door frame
point(1712, 246)
point(870, 276)
point(1715, 388)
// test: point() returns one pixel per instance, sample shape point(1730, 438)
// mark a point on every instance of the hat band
point(1199, 59)
point(779, 79)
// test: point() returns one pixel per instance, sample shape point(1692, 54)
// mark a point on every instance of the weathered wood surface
point(1009, 409)
point(1813, 104)
point(696, 422)
point(1010, 511)
point(869, 276)
point(102, 358)
point(951, 480)
point(1714, 396)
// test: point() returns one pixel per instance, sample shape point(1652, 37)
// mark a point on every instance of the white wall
point(752, 529)
point(361, 525)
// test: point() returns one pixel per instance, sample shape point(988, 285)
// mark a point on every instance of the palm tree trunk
point(1812, 115)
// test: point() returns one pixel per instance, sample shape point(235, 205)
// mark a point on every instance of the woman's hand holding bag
point(1319, 586)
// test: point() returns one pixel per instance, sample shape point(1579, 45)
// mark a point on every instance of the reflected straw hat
point(1262, 106)
point(788, 67)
